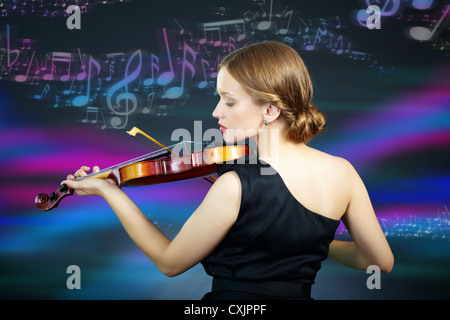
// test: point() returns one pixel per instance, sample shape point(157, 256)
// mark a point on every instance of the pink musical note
point(82, 74)
point(59, 57)
point(21, 77)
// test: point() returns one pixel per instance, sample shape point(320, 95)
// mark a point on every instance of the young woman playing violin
point(262, 234)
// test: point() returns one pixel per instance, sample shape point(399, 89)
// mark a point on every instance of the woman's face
point(239, 117)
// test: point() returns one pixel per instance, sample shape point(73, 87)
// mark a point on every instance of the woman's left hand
point(91, 186)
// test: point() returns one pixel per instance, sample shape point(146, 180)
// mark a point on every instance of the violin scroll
point(46, 202)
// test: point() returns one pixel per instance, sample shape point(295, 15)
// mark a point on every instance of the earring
point(266, 123)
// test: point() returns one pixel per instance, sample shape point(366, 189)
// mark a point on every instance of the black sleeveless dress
point(275, 247)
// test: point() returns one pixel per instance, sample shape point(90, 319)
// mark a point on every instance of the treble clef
point(124, 96)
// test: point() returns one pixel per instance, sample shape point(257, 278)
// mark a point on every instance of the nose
point(217, 113)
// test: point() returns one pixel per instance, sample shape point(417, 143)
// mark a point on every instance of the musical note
point(339, 51)
point(8, 51)
point(150, 98)
point(59, 57)
point(338, 26)
point(306, 39)
point(83, 100)
point(392, 11)
point(91, 110)
point(22, 78)
point(249, 15)
point(176, 92)
point(26, 41)
point(424, 34)
point(211, 27)
point(113, 56)
point(300, 29)
point(204, 83)
point(82, 74)
point(356, 54)
point(288, 41)
point(285, 30)
point(154, 65)
point(324, 25)
point(111, 72)
point(317, 38)
point(264, 25)
point(221, 11)
point(66, 92)
point(164, 110)
point(167, 76)
point(422, 4)
point(182, 29)
point(56, 101)
point(124, 96)
point(44, 92)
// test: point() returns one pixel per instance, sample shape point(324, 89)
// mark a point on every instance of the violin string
point(134, 160)
point(210, 179)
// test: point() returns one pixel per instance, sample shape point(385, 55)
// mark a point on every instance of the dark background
point(386, 96)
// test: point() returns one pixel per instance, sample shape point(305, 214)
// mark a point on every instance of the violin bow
point(134, 131)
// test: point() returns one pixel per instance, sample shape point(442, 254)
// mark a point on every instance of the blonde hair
point(272, 72)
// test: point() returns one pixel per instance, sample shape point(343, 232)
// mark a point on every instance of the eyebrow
point(225, 93)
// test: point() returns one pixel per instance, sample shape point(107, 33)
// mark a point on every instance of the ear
point(271, 113)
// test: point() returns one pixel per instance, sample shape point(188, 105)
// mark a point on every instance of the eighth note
point(425, 34)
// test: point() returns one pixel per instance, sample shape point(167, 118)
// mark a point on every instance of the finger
point(69, 183)
point(82, 172)
point(70, 177)
point(96, 169)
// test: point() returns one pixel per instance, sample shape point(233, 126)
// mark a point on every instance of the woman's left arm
point(201, 233)
point(369, 246)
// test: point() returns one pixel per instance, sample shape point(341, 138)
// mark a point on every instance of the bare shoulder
point(334, 166)
point(336, 179)
point(227, 190)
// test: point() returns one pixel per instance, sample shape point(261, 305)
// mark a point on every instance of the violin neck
point(103, 174)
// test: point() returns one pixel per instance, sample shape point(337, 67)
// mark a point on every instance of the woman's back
point(319, 181)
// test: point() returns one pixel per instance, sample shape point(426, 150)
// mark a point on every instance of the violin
point(161, 166)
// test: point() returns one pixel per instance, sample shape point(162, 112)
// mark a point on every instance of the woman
point(277, 217)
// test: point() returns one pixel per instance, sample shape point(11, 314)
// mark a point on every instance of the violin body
point(155, 171)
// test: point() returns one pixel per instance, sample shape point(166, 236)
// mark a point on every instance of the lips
point(222, 128)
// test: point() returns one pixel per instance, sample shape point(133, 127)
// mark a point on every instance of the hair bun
point(307, 124)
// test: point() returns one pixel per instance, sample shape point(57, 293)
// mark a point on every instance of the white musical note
point(424, 34)
point(285, 30)
point(264, 25)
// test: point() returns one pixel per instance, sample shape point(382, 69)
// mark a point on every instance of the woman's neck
point(273, 144)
